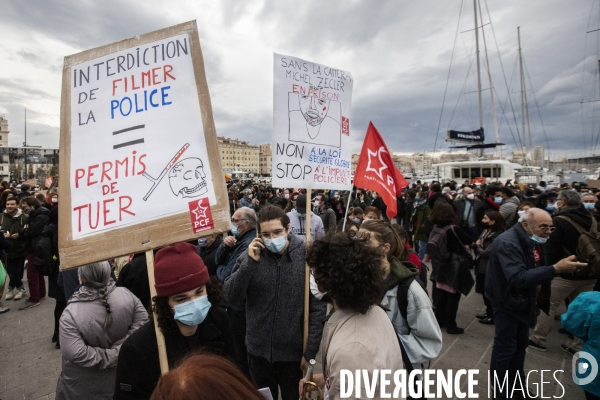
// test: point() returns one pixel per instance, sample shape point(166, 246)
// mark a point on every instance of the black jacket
point(134, 276)
point(138, 368)
point(512, 278)
point(208, 253)
point(563, 241)
point(38, 219)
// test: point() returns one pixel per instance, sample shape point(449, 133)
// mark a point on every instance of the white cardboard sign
point(311, 125)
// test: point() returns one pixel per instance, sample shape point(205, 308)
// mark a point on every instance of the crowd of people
point(231, 307)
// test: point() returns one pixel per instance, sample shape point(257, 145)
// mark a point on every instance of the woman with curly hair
point(97, 320)
point(185, 316)
point(358, 335)
point(407, 304)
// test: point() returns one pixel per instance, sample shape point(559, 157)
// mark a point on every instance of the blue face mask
point(498, 200)
point(193, 312)
point(356, 220)
point(589, 206)
point(234, 230)
point(417, 198)
point(538, 239)
point(275, 245)
point(202, 242)
point(551, 207)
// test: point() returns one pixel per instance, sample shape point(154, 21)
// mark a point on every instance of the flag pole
point(347, 207)
point(306, 273)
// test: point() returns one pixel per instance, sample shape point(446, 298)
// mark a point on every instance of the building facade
point(237, 155)
point(265, 159)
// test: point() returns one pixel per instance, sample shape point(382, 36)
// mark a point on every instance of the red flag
point(376, 171)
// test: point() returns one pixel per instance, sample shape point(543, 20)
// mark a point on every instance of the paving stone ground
point(30, 365)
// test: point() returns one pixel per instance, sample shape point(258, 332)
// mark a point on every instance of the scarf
point(86, 293)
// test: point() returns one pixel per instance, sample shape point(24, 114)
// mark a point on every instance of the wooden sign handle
point(160, 339)
point(307, 272)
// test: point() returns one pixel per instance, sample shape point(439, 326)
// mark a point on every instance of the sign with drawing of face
point(311, 124)
point(139, 145)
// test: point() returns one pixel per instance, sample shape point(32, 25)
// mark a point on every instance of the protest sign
point(311, 125)
point(138, 148)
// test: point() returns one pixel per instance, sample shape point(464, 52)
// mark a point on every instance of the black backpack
point(43, 257)
point(436, 245)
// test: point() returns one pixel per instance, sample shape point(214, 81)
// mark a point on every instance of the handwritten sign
point(138, 143)
point(311, 125)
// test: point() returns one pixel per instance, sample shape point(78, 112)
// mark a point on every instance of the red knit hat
point(178, 269)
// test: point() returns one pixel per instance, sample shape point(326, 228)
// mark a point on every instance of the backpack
point(43, 257)
point(588, 248)
point(436, 245)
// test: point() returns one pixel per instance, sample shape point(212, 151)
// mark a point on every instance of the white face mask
point(520, 213)
point(54, 200)
point(250, 196)
point(317, 203)
point(470, 196)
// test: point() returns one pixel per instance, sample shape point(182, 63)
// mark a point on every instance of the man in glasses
point(517, 266)
point(269, 277)
point(243, 229)
point(570, 214)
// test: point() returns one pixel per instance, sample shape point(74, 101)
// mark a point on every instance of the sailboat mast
point(25, 146)
point(478, 70)
point(522, 95)
point(487, 61)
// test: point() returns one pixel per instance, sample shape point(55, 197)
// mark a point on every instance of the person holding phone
point(269, 278)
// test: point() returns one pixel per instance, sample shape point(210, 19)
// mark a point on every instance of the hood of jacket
point(579, 215)
point(399, 272)
point(17, 215)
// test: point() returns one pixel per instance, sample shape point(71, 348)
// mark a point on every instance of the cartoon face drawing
point(187, 178)
point(313, 109)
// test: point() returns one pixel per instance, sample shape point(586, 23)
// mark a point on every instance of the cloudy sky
point(399, 53)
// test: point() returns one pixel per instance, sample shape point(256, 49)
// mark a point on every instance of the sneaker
point(568, 349)
point(9, 294)
point(20, 294)
point(536, 346)
point(481, 316)
point(3, 309)
point(487, 321)
point(29, 304)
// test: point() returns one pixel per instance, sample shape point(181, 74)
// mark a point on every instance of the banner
point(138, 144)
point(466, 137)
point(311, 125)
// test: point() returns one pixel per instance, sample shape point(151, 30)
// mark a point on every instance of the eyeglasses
point(235, 221)
point(545, 227)
point(272, 235)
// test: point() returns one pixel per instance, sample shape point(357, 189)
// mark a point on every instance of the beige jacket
point(355, 341)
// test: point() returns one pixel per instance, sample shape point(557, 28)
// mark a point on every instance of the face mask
point(498, 200)
point(314, 289)
point(356, 220)
point(417, 198)
point(537, 239)
point(317, 203)
point(551, 207)
point(202, 242)
point(54, 200)
point(422, 202)
point(234, 230)
point(470, 196)
point(375, 196)
point(192, 313)
point(287, 195)
point(249, 196)
point(520, 213)
point(275, 245)
point(589, 206)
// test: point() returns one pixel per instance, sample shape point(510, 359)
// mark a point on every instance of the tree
point(30, 174)
point(16, 171)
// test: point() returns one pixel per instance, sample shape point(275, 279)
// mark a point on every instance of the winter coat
point(564, 240)
point(138, 369)
point(273, 289)
point(512, 278)
point(509, 207)
point(419, 332)
point(14, 224)
point(483, 250)
point(460, 205)
point(582, 319)
point(328, 218)
point(448, 273)
point(421, 211)
point(90, 354)
point(134, 276)
point(38, 219)
point(208, 253)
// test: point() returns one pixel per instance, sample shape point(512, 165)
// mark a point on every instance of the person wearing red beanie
point(185, 316)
